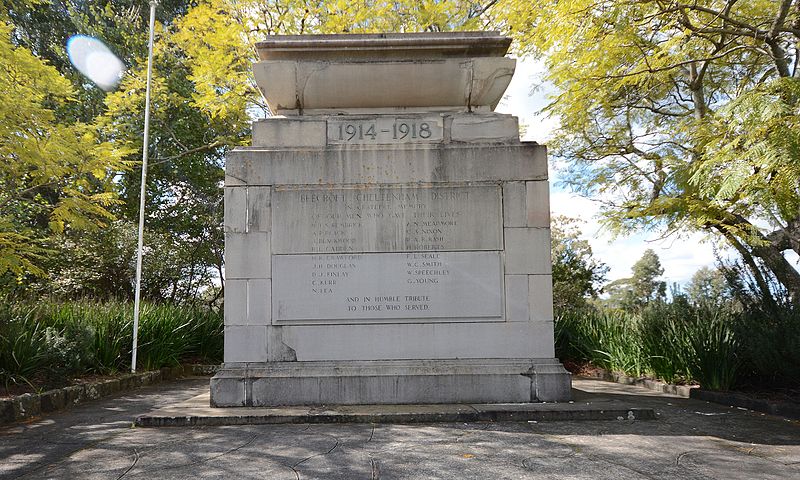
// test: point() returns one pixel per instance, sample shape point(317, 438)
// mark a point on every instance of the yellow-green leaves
point(219, 57)
point(679, 114)
point(48, 167)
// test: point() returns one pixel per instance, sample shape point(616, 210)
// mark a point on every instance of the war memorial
point(387, 235)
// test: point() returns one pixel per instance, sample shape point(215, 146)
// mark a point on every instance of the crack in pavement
point(680, 456)
point(376, 472)
point(64, 458)
point(135, 461)
point(527, 463)
point(213, 457)
point(627, 467)
point(297, 473)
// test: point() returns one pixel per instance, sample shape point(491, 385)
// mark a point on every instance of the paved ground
point(690, 440)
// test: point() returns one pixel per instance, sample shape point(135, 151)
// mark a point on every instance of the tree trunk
point(771, 253)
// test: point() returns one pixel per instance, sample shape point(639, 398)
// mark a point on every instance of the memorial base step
point(390, 382)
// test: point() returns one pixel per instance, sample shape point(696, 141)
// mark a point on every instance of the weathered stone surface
point(53, 400)
point(389, 217)
point(27, 405)
point(527, 251)
point(229, 389)
point(416, 163)
point(245, 344)
point(484, 128)
point(351, 288)
point(277, 350)
point(7, 411)
point(235, 302)
point(526, 204)
point(247, 302)
point(345, 86)
point(236, 209)
point(390, 382)
point(380, 46)
point(515, 204)
point(540, 297)
point(537, 199)
point(259, 300)
point(259, 213)
point(386, 219)
point(442, 340)
point(276, 132)
point(550, 382)
point(247, 255)
point(517, 304)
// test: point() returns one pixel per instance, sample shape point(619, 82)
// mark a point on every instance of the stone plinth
point(330, 74)
point(384, 248)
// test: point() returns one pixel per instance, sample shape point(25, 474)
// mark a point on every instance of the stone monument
point(387, 236)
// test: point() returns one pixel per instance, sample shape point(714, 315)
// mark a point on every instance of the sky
point(680, 257)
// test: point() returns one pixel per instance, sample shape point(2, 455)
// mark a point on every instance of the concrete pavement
point(690, 439)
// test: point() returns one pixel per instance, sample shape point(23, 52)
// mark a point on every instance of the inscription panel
point(363, 287)
point(386, 219)
point(384, 130)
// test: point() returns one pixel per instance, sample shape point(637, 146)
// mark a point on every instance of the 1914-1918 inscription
point(384, 130)
point(386, 219)
point(422, 285)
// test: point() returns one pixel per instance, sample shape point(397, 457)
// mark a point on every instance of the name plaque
point(386, 219)
point(384, 130)
point(431, 285)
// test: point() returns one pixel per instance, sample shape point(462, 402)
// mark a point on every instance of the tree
point(679, 115)
point(643, 287)
point(187, 151)
point(204, 99)
point(577, 276)
point(54, 175)
point(708, 287)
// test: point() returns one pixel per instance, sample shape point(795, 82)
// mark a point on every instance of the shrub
point(673, 342)
point(609, 339)
point(53, 340)
point(770, 346)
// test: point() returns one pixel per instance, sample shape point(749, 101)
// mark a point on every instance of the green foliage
point(718, 346)
point(21, 345)
point(666, 340)
point(168, 334)
point(204, 99)
point(715, 347)
point(576, 274)
point(678, 115)
point(50, 341)
point(692, 344)
point(643, 287)
point(53, 174)
point(708, 287)
point(69, 349)
point(610, 339)
point(770, 346)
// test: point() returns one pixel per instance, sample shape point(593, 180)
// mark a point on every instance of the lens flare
point(93, 59)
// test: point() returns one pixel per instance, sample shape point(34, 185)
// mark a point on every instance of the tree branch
point(723, 16)
point(209, 146)
point(480, 11)
point(671, 67)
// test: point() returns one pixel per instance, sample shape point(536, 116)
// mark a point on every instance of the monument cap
point(384, 73)
point(379, 46)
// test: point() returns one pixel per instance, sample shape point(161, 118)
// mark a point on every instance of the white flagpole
point(145, 145)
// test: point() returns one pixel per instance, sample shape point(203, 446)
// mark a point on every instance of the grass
point(609, 339)
point(719, 348)
point(50, 341)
